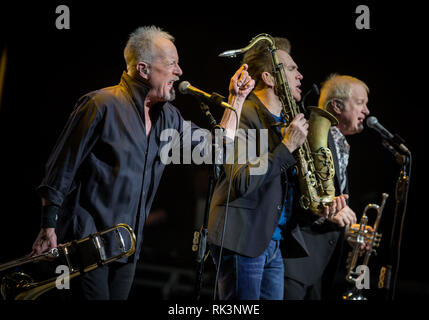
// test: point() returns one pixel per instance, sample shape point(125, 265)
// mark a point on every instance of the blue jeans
point(245, 278)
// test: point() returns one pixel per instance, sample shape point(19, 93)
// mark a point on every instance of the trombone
point(80, 256)
point(359, 235)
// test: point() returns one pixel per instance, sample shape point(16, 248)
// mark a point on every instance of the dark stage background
point(49, 69)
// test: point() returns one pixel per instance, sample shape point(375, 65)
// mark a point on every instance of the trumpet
point(358, 235)
point(79, 256)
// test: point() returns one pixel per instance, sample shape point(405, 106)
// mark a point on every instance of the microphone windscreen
point(183, 86)
point(371, 121)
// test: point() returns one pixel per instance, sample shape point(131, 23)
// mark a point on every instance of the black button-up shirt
point(104, 170)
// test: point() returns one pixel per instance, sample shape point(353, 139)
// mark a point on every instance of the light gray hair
point(140, 46)
point(337, 87)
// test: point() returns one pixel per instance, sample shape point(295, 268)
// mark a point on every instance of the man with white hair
point(105, 168)
point(346, 98)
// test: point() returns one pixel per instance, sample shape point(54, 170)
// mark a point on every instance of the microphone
point(205, 109)
point(373, 123)
point(315, 89)
point(401, 159)
point(186, 88)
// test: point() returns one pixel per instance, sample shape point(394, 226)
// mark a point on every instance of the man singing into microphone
point(346, 98)
point(105, 168)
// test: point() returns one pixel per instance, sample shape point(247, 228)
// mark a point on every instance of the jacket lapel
point(331, 146)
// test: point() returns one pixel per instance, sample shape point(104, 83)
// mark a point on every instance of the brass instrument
point(315, 166)
point(80, 256)
point(358, 235)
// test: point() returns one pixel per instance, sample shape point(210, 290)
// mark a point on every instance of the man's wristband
point(49, 216)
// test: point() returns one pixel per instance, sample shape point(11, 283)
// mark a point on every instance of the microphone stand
point(200, 238)
point(389, 273)
point(315, 89)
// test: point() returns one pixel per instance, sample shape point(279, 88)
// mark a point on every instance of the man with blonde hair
point(105, 168)
point(339, 89)
point(346, 98)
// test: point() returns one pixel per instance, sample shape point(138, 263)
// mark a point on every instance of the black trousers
point(110, 282)
point(295, 290)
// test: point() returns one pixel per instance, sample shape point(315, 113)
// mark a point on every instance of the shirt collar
point(339, 138)
point(266, 113)
point(136, 87)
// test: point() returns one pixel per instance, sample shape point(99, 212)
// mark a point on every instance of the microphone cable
point(401, 229)
point(226, 206)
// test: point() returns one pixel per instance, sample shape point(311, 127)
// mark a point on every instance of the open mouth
point(170, 83)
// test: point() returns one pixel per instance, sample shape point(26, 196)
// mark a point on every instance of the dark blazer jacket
point(256, 200)
point(309, 246)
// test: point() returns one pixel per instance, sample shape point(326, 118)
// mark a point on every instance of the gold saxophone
point(315, 166)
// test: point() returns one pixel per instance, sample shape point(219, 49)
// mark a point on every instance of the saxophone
point(315, 166)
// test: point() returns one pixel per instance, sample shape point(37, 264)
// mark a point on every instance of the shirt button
point(331, 242)
point(279, 207)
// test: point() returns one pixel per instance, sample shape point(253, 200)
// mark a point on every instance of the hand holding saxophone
point(339, 212)
point(295, 134)
point(345, 217)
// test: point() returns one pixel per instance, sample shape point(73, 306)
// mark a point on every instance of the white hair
point(140, 45)
point(338, 87)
